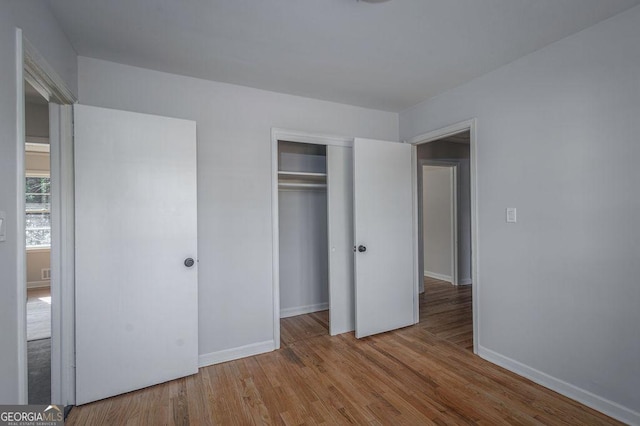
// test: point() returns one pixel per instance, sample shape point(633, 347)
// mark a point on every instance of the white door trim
point(471, 126)
point(31, 66)
point(278, 134)
point(21, 257)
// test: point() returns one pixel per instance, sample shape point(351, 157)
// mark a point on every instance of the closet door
point(340, 230)
point(136, 246)
point(385, 287)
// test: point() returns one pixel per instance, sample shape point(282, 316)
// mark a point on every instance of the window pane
point(37, 206)
point(40, 185)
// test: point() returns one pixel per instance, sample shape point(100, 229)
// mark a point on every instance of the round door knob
point(362, 249)
point(189, 262)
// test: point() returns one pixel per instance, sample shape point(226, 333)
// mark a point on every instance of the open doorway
point(38, 245)
point(445, 236)
point(44, 140)
point(303, 236)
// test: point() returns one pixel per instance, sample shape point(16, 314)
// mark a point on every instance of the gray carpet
point(39, 364)
point(38, 319)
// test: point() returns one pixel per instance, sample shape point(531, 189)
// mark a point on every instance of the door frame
point(277, 135)
point(471, 126)
point(31, 66)
point(455, 179)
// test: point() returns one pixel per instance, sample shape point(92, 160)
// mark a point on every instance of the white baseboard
point(466, 281)
point(585, 397)
point(38, 284)
point(301, 310)
point(211, 358)
point(438, 276)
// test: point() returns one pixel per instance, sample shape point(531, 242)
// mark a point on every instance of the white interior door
point(385, 285)
point(340, 230)
point(136, 298)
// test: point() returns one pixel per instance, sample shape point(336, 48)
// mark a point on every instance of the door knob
point(362, 249)
point(189, 262)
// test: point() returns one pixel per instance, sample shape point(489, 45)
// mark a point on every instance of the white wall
point(234, 179)
point(36, 120)
point(557, 137)
point(437, 187)
point(39, 26)
point(304, 253)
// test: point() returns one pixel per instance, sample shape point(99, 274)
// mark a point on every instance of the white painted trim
point(218, 357)
point(416, 221)
point(454, 224)
point(278, 134)
point(585, 397)
point(65, 273)
point(43, 77)
point(466, 281)
point(37, 144)
point(38, 249)
point(442, 133)
point(440, 277)
point(275, 238)
point(471, 126)
point(301, 310)
point(312, 138)
point(21, 254)
point(38, 284)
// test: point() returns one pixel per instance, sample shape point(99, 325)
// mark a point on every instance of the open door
point(340, 229)
point(383, 236)
point(136, 246)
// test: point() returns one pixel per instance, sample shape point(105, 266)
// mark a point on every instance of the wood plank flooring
point(446, 311)
point(420, 375)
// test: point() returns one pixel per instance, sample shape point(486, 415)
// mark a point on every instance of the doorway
point(38, 244)
point(45, 254)
point(447, 235)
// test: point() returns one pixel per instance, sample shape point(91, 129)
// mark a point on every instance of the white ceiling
point(386, 56)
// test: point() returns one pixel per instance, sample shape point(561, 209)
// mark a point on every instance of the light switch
point(3, 226)
point(511, 215)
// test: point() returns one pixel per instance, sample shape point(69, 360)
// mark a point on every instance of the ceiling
point(387, 56)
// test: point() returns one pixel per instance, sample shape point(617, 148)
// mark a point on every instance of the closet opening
point(303, 241)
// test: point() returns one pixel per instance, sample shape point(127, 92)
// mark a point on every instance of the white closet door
point(384, 236)
point(136, 296)
point(340, 230)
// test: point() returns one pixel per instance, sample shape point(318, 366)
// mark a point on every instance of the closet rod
point(301, 185)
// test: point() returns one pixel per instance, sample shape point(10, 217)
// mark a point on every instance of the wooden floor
point(420, 375)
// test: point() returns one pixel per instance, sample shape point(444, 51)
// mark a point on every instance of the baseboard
point(38, 284)
point(585, 397)
point(301, 310)
point(466, 281)
point(211, 358)
point(438, 276)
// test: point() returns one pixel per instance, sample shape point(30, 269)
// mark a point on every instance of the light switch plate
point(3, 226)
point(511, 215)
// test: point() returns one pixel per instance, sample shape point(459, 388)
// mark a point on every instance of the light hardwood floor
point(420, 375)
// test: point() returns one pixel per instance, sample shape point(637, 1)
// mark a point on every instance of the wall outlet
point(511, 215)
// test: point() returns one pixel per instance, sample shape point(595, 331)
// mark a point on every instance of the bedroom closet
point(315, 233)
point(302, 204)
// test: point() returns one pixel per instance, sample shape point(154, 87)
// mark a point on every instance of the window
point(38, 211)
